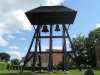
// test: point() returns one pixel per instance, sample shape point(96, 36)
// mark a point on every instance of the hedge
point(18, 67)
point(37, 68)
point(14, 67)
point(3, 66)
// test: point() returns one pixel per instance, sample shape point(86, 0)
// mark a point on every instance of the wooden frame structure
point(50, 15)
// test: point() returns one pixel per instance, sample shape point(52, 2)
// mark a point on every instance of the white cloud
point(15, 54)
point(78, 35)
point(98, 25)
point(43, 47)
point(3, 42)
point(54, 2)
point(14, 48)
point(23, 39)
point(75, 36)
point(11, 37)
point(13, 22)
point(20, 17)
point(25, 48)
point(57, 47)
point(12, 16)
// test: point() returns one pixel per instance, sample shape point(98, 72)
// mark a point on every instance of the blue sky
point(16, 32)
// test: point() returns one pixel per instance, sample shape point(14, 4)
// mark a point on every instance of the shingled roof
point(51, 9)
point(51, 15)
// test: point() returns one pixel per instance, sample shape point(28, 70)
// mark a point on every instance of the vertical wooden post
point(50, 54)
point(65, 51)
point(40, 62)
point(63, 59)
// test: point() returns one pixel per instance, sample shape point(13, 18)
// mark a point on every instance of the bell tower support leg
point(63, 59)
point(77, 61)
point(65, 51)
point(26, 58)
point(50, 50)
point(35, 52)
point(40, 62)
point(39, 56)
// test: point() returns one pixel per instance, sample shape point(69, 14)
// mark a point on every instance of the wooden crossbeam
point(53, 52)
point(52, 37)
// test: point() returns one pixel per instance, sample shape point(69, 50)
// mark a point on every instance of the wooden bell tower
point(42, 17)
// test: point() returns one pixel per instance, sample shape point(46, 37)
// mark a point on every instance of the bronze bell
point(57, 28)
point(45, 29)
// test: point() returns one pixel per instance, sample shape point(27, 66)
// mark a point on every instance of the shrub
point(28, 68)
point(14, 67)
point(82, 65)
point(3, 61)
point(15, 61)
point(3, 66)
point(37, 68)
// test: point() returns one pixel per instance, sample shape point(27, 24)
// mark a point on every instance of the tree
point(15, 61)
point(84, 46)
point(93, 37)
point(79, 47)
point(4, 56)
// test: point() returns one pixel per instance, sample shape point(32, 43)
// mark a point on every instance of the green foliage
point(59, 66)
point(82, 66)
point(3, 66)
point(79, 47)
point(3, 61)
point(15, 61)
point(78, 43)
point(84, 46)
point(93, 37)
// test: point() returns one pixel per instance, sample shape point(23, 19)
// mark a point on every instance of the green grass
point(96, 71)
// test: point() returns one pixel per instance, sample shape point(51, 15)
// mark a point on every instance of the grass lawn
point(72, 72)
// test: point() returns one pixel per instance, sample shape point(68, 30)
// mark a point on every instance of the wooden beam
point(53, 52)
point(50, 50)
point(52, 37)
point(26, 59)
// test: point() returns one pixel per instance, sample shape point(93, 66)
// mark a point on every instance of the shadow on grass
point(26, 73)
point(29, 73)
point(96, 69)
point(56, 72)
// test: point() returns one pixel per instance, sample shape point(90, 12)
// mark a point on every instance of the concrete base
point(66, 72)
point(53, 70)
point(41, 70)
point(21, 72)
point(33, 73)
point(50, 72)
